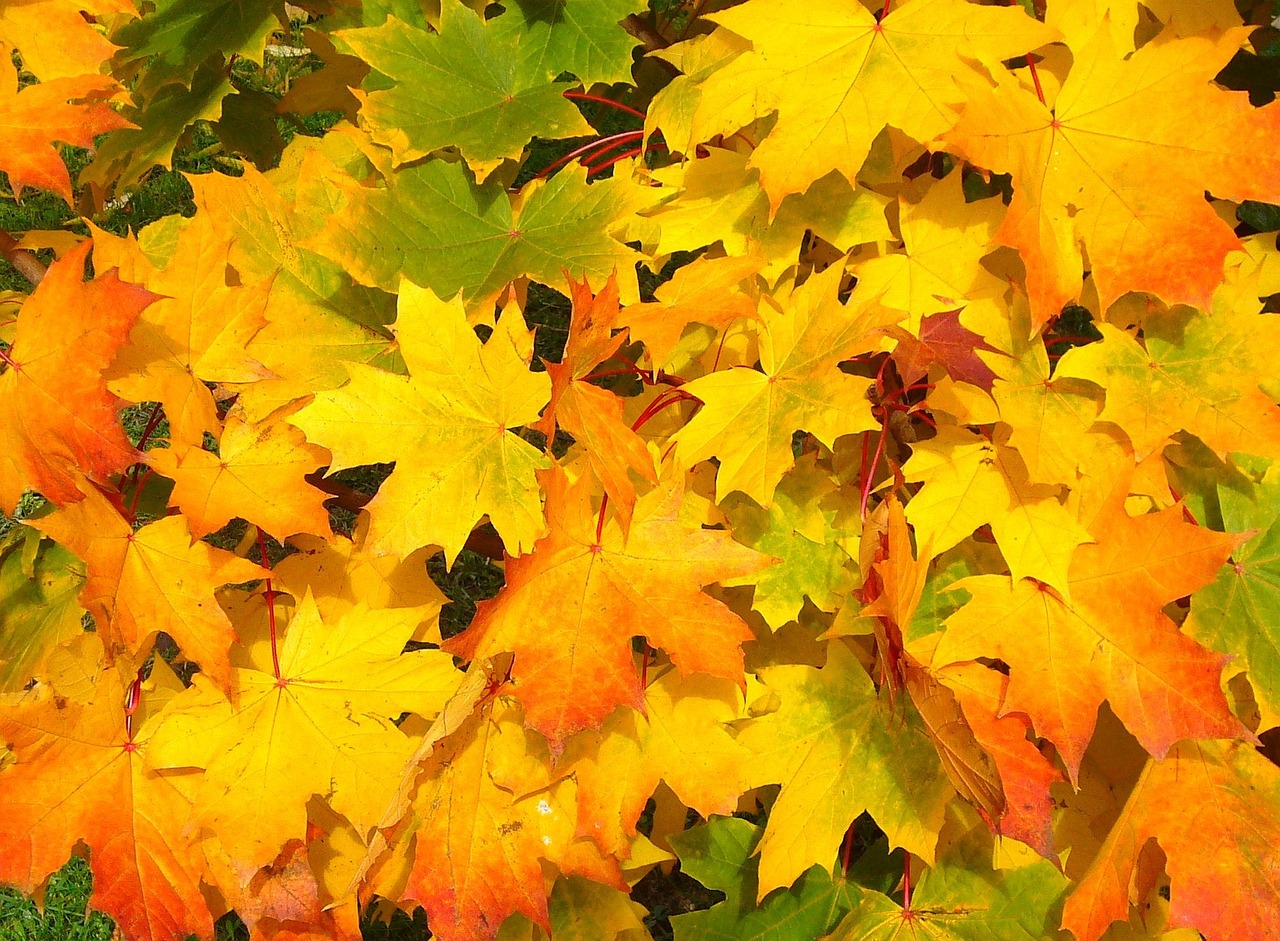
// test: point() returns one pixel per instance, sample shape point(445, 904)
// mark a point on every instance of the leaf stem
point(644, 376)
point(270, 595)
point(907, 913)
point(608, 143)
point(131, 698)
point(153, 421)
point(869, 472)
point(600, 99)
point(635, 152)
point(846, 849)
point(1035, 77)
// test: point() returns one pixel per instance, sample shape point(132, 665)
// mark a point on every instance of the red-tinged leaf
point(592, 415)
point(57, 419)
point(1213, 808)
point(943, 340)
point(67, 110)
point(572, 605)
point(75, 773)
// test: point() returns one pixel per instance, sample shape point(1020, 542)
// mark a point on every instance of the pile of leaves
point(891, 537)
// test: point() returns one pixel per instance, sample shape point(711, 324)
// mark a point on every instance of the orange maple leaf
point(57, 419)
point(71, 110)
point(77, 773)
point(572, 605)
point(1111, 641)
point(591, 414)
point(1120, 164)
point(487, 816)
point(155, 579)
point(1207, 805)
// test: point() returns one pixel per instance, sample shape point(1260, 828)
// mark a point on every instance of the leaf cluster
point(830, 448)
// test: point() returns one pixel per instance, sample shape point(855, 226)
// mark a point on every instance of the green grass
point(64, 917)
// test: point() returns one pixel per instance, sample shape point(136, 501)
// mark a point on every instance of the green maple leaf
point(961, 899)
point(838, 748)
point(1239, 613)
point(473, 86)
point(811, 564)
point(39, 584)
point(125, 155)
point(720, 855)
point(178, 35)
point(579, 36)
point(433, 224)
point(1195, 373)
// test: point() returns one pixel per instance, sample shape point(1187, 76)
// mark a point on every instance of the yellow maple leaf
point(968, 482)
point(749, 415)
point(195, 332)
point(836, 78)
point(448, 425)
point(339, 686)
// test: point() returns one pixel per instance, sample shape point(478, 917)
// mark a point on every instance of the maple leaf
point(836, 77)
point(256, 475)
point(54, 37)
point(343, 572)
point(593, 416)
point(1187, 378)
point(838, 749)
point(472, 85)
point(1025, 774)
point(317, 319)
point(940, 266)
point(720, 854)
point(195, 332)
point(1113, 168)
point(748, 415)
point(59, 420)
point(811, 563)
point(433, 225)
point(573, 656)
point(454, 414)
point(176, 36)
point(77, 773)
point(123, 157)
point(582, 910)
point(618, 769)
point(1110, 642)
point(703, 291)
point(1234, 614)
point(487, 814)
point(952, 902)
point(337, 689)
point(73, 110)
point(1233, 790)
point(155, 579)
point(943, 340)
point(969, 481)
point(720, 199)
point(1049, 417)
point(39, 583)
point(585, 38)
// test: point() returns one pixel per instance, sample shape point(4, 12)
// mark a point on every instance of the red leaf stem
point(600, 99)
